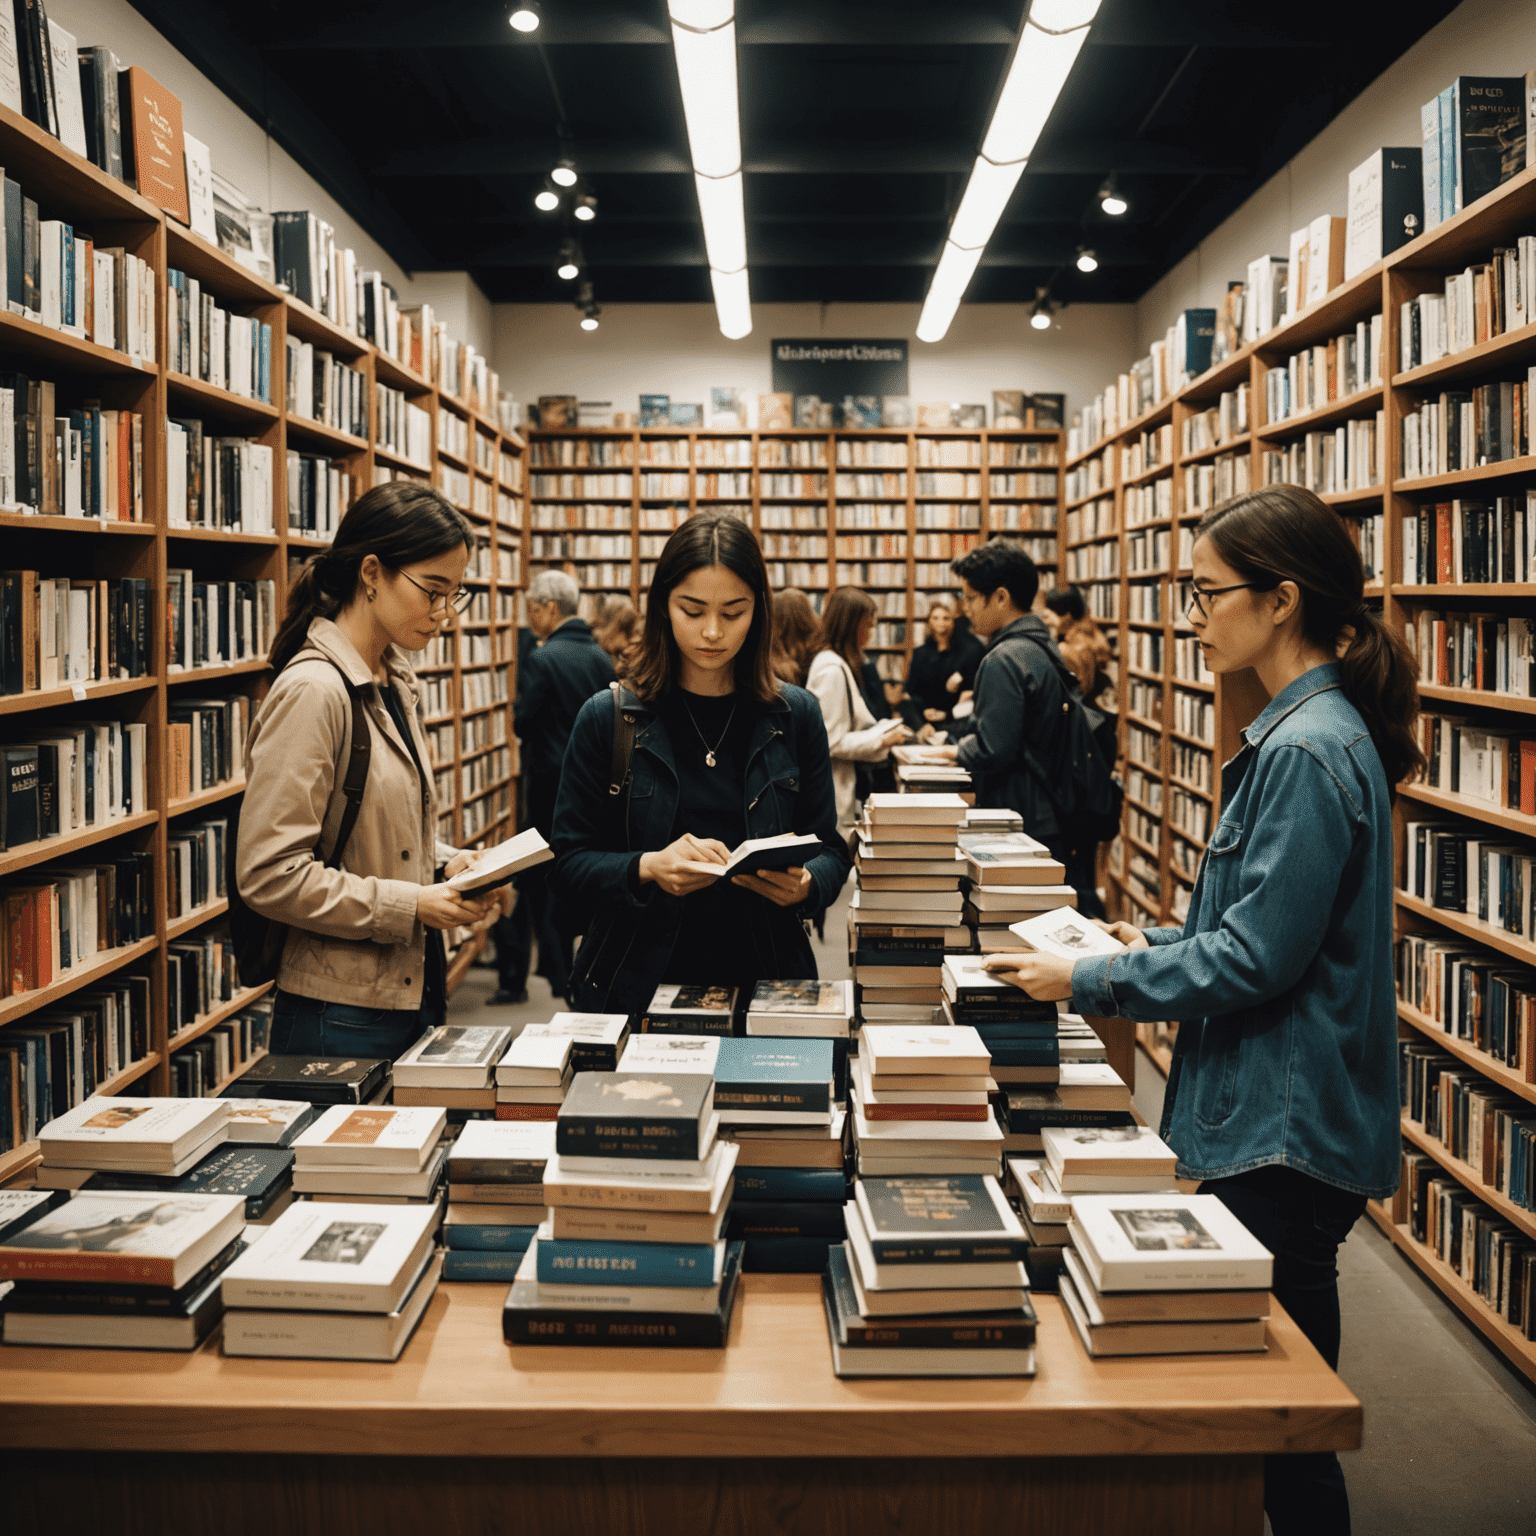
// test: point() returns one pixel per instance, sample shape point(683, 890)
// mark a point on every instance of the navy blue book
point(1004, 1330)
point(1029, 1112)
point(572, 1261)
point(959, 1218)
point(481, 1264)
point(787, 1255)
point(791, 1184)
point(663, 1115)
point(480, 1237)
point(260, 1175)
point(1018, 1053)
point(758, 1077)
point(786, 1218)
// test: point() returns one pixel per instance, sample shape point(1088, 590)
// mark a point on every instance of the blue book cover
point(477, 1264)
point(568, 1261)
point(786, 1255)
point(1449, 180)
point(487, 1239)
point(766, 1073)
point(1018, 1054)
point(1015, 1029)
point(790, 1184)
point(264, 387)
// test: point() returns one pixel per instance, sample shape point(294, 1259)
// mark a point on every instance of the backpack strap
point(356, 779)
point(625, 728)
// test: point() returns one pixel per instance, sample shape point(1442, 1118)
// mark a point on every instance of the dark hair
point(1000, 563)
point(705, 540)
point(1067, 601)
point(1285, 533)
point(401, 522)
point(846, 610)
point(794, 635)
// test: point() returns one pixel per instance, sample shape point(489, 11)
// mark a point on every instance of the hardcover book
point(1007, 407)
point(896, 410)
point(21, 1207)
point(1066, 934)
point(558, 413)
point(671, 1053)
point(154, 156)
point(938, 1220)
point(642, 1116)
point(774, 1082)
point(261, 1176)
point(596, 1038)
point(933, 1274)
point(1106, 1152)
point(681, 415)
point(691, 1007)
point(374, 1137)
point(641, 1188)
point(1166, 1242)
point(267, 1122)
point(801, 1008)
point(655, 410)
point(901, 1049)
point(1113, 1340)
point(496, 866)
point(501, 1152)
point(314, 1079)
point(452, 1056)
point(563, 1261)
point(541, 1060)
point(727, 408)
point(145, 1135)
point(775, 413)
point(1161, 1306)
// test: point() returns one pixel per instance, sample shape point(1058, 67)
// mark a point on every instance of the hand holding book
point(1058, 941)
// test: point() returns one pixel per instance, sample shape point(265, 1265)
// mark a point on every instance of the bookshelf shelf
point(320, 433)
point(1468, 591)
point(179, 927)
point(222, 536)
point(1472, 698)
point(215, 674)
point(399, 461)
point(211, 1020)
point(1471, 928)
point(1471, 362)
point(1503, 470)
point(397, 376)
point(1345, 500)
point(216, 269)
point(103, 965)
point(1348, 409)
point(91, 525)
point(239, 1071)
point(1494, 1070)
point(1465, 805)
point(48, 348)
point(129, 1075)
point(19, 703)
point(210, 397)
point(310, 325)
point(47, 849)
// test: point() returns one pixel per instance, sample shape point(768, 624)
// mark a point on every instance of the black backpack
point(258, 941)
point(1088, 797)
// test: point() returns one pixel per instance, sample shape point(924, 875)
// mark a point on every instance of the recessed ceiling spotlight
point(586, 208)
point(1086, 260)
point(1040, 315)
point(546, 200)
point(564, 174)
point(525, 16)
point(589, 320)
point(1111, 199)
point(569, 267)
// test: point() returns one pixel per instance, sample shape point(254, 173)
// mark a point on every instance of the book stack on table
point(908, 909)
point(806, 1010)
point(333, 1282)
point(1164, 1274)
point(495, 1197)
point(597, 1039)
point(923, 769)
point(1008, 877)
point(533, 1076)
point(118, 1269)
point(450, 1068)
point(634, 1250)
point(1020, 1033)
point(386, 1153)
point(931, 1282)
point(315, 1079)
point(690, 1008)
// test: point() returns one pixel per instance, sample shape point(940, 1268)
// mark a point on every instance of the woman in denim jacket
point(1282, 1095)
point(723, 751)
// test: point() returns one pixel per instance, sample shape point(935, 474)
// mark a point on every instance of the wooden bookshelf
point(1377, 509)
point(69, 188)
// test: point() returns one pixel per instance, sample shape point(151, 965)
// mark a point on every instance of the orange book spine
point(125, 1269)
point(911, 1112)
point(527, 1111)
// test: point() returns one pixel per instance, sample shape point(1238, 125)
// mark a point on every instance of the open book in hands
point(787, 851)
point(1067, 934)
point(497, 865)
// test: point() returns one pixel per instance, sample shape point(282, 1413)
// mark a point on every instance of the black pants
point(1301, 1221)
point(1080, 859)
point(514, 945)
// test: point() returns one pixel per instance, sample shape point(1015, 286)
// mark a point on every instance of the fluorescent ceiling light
point(704, 42)
point(1048, 46)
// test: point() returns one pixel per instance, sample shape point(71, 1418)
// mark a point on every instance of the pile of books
point(931, 1282)
point(634, 1250)
point(908, 909)
point(334, 1282)
point(1164, 1274)
point(1020, 1033)
point(387, 1153)
point(495, 1197)
point(1008, 877)
point(806, 1010)
point(168, 1137)
point(920, 769)
point(920, 1102)
point(315, 1079)
point(690, 1008)
point(450, 1068)
point(533, 1075)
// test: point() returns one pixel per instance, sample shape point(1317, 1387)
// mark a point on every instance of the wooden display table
point(467, 1434)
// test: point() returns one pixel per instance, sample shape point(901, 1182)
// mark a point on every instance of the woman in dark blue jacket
point(1283, 1092)
point(723, 752)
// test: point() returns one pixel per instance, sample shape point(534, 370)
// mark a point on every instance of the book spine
point(948, 1250)
point(790, 1184)
point(540, 1112)
point(625, 1136)
point(972, 1112)
point(684, 1024)
point(908, 1334)
point(569, 1262)
point(787, 1218)
point(494, 1170)
point(804, 1098)
point(96, 1268)
point(478, 1237)
point(619, 1329)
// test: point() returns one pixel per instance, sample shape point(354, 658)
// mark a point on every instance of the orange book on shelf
point(1445, 541)
point(154, 152)
point(1528, 778)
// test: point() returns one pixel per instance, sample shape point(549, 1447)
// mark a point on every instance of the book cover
point(498, 1151)
point(970, 418)
point(376, 1136)
point(596, 1038)
point(775, 413)
point(957, 1219)
point(1135, 1150)
point(1066, 934)
point(1488, 123)
point(533, 1060)
point(644, 1116)
point(833, 999)
point(314, 1079)
point(639, 1187)
point(154, 154)
point(565, 1261)
point(727, 408)
point(558, 413)
point(902, 1049)
point(1166, 1242)
point(200, 189)
point(763, 1078)
point(1005, 1330)
point(695, 1006)
point(267, 1122)
point(681, 415)
point(655, 410)
point(896, 411)
point(807, 411)
point(1007, 408)
point(65, 68)
point(118, 1131)
point(452, 1056)
point(21, 1207)
point(671, 1053)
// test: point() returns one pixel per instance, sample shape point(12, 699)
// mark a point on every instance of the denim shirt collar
point(1292, 697)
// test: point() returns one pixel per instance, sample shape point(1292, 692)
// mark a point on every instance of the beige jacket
point(853, 735)
point(353, 935)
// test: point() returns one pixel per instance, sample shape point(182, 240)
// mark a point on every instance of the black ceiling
point(434, 126)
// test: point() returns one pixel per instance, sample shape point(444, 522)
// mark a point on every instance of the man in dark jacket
point(553, 682)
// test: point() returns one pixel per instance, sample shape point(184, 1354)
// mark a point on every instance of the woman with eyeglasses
point(1283, 1092)
point(363, 971)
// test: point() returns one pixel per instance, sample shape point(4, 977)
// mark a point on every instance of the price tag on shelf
point(78, 690)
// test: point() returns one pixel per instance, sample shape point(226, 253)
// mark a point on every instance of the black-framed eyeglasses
point(458, 600)
point(1196, 603)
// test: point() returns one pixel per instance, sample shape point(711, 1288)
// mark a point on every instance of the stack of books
point(379, 1152)
point(634, 1249)
point(333, 1282)
point(450, 1068)
point(314, 1079)
point(931, 1282)
point(919, 1102)
point(1164, 1274)
point(168, 1137)
point(532, 1078)
point(920, 769)
point(690, 1008)
point(120, 1270)
point(1008, 877)
point(1021, 1034)
point(597, 1039)
point(801, 1010)
point(268, 1122)
point(908, 909)
point(495, 1197)
point(1087, 1094)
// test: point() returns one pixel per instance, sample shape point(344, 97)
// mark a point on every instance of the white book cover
point(498, 865)
point(333, 1256)
point(1362, 236)
point(537, 1059)
point(592, 1028)
point(452, 1056)
point(644, 1190)
point(1152, 1242)
point(906, 1048)
point(1044, 1203)
point(1066, 934)
point(1106, 1149)
point(927, 810)
point(787, 850)
point(200, 188)
point(120, 1131)
point(811, 1000)
point(266, 1122)
point(66, 88)
point(10, 61)
point(670, 1053)
point(371, 1137)
point(371, 1183)
point(513, 1141)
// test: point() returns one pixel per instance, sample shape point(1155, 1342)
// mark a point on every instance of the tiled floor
point(1450, 1430)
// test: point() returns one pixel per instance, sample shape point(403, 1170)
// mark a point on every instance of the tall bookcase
point(881, 509)
point(1169, 811)
point(474, 752)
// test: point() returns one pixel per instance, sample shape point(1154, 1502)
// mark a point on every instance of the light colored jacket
point(353, 935)
point(852, 735)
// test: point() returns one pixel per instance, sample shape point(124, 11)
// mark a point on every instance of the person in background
point(618, 631)
point(512, 935)
point(794, 635)
point(556, 680)
point(943, 666)
point(363, 970)
point(853, 736)
point(1082, 644)
point(1283, 1091)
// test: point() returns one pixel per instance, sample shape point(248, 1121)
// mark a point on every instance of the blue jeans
point(306, 1026)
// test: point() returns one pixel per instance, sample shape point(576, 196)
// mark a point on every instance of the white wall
point(1480, 37)
point(265, 172)
point(677, 350)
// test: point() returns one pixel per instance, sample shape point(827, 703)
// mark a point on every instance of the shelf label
point(78, 690)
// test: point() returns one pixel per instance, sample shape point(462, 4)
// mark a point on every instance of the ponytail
point(1286, 533)
point(401, 522)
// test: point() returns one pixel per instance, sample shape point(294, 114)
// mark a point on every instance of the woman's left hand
point(784, 888)
point(1046, 978)
point(466, 859)
point(952, 682)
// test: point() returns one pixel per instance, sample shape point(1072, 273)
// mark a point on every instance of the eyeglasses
point(1196, 603)
point(458, 600)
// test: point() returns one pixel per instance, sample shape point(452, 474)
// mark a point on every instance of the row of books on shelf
point(1470, 541)
point(205, 740)
point(1485, 652)
point(55, 631)
point(1322, 375)
point(83, 462)
point(323, 388)
point(71, 776)
point(216, 623)
point(1486, 300)
point(215, 345)
point(592, 455)
point(402, 427)
point(1472, 995)
point(1348, 457)
point(1467, 428)
point(1455, 868)
point(217, 482)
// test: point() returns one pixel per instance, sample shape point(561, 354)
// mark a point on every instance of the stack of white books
point(376, 1152)
point(820, 1010)
point(1164, 1274)
point(495, 1196)
point(533, 1075)
point(1009, 876)
point(333, 1282)
point(129, 1135)
point(597, 1039)
point(921, 768)
point(450, 1067)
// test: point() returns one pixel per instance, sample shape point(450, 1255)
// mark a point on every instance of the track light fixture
point(546, 200)
point(586, 208)
point(589, 307)
point(564, 174)
point(1111, 199)
point(1040, 315)
point(589, 318)
point(569, 266)
point(525, 16)
point(1086, 260)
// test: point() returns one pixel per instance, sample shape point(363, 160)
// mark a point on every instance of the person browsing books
point(722, 752)
point(1283, 1091)
point(362, 970)
point(943, 666)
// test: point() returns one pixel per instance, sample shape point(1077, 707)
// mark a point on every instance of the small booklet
point(1066, 934)
point(787, 851)
point(500, 863)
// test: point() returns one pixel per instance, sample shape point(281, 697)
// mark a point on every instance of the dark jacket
point(1019, 701)
point(932, 668)
point(552, 685)
point(630, 929)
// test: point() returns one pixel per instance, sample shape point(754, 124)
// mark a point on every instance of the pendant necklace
point(709, 751)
